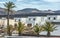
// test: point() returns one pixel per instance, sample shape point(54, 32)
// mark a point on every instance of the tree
point(37, 29)
point(8, 7)
point(20, 28)
point(49, 27)
point(15, 26)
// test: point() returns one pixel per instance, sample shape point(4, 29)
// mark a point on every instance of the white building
point(32, 19)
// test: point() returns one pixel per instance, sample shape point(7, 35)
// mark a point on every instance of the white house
point(32, 18)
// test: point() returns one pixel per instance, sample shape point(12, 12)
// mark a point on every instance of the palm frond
point(49, 27)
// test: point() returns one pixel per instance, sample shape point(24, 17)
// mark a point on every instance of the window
point(19, 20)
point(29, 18)
point(34, 19)
point(54, 18)
point(15, 20)
point(29, 25)
point(49, 18)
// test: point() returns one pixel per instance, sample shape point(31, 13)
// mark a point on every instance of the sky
point(38, 4)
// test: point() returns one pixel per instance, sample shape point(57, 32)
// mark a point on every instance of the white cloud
point(2, 2)
point(52, 0)
point(20, 0)
point(34, 2)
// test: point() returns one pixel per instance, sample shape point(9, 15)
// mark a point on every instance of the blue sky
point(39, 4)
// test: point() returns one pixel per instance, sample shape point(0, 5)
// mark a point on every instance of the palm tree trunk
point(48, 33)
point(37, 34)
point(19, 33)
point(9, 33)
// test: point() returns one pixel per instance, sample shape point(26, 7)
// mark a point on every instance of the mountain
point(4, 12)
point(28, 10)
point(33, 10)
point(57, 11)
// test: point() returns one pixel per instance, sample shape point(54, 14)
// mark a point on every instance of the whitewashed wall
point(38, 20)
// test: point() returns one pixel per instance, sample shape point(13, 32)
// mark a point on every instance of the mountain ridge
point(28, 10)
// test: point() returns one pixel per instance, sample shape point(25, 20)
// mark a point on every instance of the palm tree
point(15, 26)
point(10, 28)
point(49, 27)
point(37, 29)
point(8, 7)
point(20, 28)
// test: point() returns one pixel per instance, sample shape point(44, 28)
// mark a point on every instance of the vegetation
point(8, 6)
point(37, 29)
point(49, 27)
point(15, 27)
point(20, 27)
point(10, 27)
